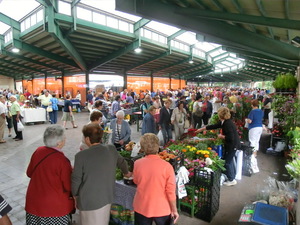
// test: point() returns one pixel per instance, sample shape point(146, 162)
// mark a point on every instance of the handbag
point(49, 109)
point(186, 124)
point(20, 126)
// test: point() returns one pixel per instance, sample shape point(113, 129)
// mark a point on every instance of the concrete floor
point(15, 156)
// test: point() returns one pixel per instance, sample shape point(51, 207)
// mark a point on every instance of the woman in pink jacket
point(155, 198)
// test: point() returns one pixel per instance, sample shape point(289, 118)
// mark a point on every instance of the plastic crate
point(206, 192)
point(177, 162)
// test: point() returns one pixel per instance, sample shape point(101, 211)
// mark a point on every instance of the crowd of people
point(56, 189)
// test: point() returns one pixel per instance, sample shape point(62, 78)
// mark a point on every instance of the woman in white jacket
point(177, 119)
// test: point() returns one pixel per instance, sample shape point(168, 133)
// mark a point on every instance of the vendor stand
point(32, 115)
point(75, 104)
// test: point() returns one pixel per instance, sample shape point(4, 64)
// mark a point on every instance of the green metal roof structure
point(252, 40)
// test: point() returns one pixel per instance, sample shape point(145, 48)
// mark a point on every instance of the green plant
point(279, 81)
point(290, 81)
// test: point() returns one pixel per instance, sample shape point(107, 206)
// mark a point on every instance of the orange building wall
point(175, 83)
point(163, 84)
point(27, 84)
point(136, 83)
point(54, 85)
point(74, 84)
point(183, 84)
point(38, 85)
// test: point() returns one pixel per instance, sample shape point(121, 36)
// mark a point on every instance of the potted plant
point(278, 84)
point(290, 82)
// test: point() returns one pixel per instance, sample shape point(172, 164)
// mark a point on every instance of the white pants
point(254, 137)
point(179, 130)
point(96, 217)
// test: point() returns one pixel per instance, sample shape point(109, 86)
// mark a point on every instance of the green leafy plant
point(290, 81)
point(279, 82)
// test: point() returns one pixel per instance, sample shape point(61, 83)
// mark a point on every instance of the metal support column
point(63, 84)
point(152, 84)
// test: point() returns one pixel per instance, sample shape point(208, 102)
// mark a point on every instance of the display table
point(124, 194)
point(122, 210)
point(32, 115)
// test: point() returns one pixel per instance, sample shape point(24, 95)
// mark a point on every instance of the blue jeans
point(45, 107)
point(166, 132)
point(229, 164)
point(53, 116)
point(140, 219)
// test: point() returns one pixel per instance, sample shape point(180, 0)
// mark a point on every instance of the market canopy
point(60, 38)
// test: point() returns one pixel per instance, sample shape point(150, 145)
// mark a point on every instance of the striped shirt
point(4, 207)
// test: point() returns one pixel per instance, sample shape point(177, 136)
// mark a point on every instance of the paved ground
point(15, 156)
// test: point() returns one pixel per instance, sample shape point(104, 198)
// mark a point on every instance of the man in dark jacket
point(165, 121)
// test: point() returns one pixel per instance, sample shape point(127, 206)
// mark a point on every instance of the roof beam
point(130, 47)
point(235, 76)
point(255, 74)
point(21, 66)
point(141, 23)
point(198, 72)
point(176, 34)
point(216, 31)
point(171, 65)
point(260, 55)
point(287, 15)
point(47, 3)
point(65, 43)
point(260, 70)
point(149, 60)
point(240, 18)
point(9, 21)
point(268, 62)
point(74, 3)
point(241, 11)
point(17, 56)
point(185, 70)
point(264, 14)
point(32, 49)
point(263, 67)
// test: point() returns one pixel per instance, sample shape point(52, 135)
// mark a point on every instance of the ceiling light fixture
point(221, 75)
point(138, 50)
point(191, 61)
point(15, 50)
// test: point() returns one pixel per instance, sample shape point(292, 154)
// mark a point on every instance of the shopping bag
point(187, 124)
point(161, 138)
point(49, 109)
point(20, 126)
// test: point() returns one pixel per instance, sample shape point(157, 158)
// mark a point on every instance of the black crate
point(177, 162)
point(206, 186)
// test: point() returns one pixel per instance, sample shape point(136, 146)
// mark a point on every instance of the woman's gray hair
point(53, 135)
point(120, 113)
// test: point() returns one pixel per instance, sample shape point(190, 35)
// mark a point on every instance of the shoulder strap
point(42, 160)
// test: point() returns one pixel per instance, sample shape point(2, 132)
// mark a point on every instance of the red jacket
point(49, 190)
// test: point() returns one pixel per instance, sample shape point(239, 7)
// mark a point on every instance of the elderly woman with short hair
point(93, 178)
point(155, 202)
point(231, 141)
point(120, 130)
point(95, 118)
point(49, 199)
